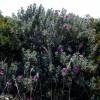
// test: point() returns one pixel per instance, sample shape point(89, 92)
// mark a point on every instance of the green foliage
point(47, 46)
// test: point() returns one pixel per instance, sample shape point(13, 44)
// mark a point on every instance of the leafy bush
point(48, 55)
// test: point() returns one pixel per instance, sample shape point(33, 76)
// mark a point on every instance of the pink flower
point(66, 26)
point(75, 69)
point(1, 72)
point(66, 16)
point(36, 77)
point(64, 71)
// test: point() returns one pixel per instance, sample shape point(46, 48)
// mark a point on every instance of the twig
point(69, 94)
point(18, 91)
point(31, 86)
point(41, 90)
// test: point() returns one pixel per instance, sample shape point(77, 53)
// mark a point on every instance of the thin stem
point(69, 94)
point(18, 90)
point(51, 89)
point(69, 98)
point(40, 90)
point(30, 86)
point(4, 89)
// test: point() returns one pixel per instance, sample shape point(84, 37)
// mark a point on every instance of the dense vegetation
point(49, 55)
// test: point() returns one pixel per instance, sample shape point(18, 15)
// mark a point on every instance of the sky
point(78, 7)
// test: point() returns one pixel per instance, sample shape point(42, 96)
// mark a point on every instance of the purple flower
point(76, 69)
point(60, 49)
point(1, 72)
point(36, 77)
